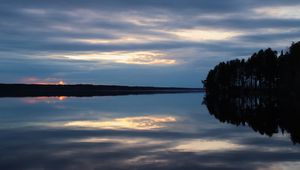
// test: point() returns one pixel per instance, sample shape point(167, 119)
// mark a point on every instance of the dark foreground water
point(168, 131)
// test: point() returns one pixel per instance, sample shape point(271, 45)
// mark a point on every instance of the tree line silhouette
point(261, 92)
point(264, 70)
point(81, 90)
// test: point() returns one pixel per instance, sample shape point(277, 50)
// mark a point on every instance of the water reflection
point(171, 131)
point(266, 114)
point(199, 145)
point(44, 99)
point(138, 123)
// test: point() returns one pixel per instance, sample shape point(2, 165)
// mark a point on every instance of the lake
point(162, 131)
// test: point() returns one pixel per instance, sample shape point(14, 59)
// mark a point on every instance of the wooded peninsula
point(263, 71)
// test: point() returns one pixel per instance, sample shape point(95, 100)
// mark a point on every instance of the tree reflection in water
point(267, 114)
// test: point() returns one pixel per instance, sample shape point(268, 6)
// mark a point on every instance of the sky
point(136, 42)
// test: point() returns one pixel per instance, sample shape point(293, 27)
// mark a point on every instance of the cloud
point(284, 11)
point(147, 33)
point(139, 57)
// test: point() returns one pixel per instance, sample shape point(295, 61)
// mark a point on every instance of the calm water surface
point(168, 131)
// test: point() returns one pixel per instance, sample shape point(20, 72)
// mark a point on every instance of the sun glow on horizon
point(38, 81)
point(61, 83)
point(50, 83)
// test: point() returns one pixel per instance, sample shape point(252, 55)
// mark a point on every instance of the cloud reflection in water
point(110, 133)
point(198, 145)
point(138, 123)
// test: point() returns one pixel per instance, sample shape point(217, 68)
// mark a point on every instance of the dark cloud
point(204, 5)
point(272, 37)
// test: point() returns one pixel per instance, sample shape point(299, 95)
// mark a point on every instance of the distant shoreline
point(85, 90)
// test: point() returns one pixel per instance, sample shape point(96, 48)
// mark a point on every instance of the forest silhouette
point(261, 92)
point(263, 71)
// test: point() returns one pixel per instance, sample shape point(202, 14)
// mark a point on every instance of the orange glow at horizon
point(61, 83)
point(51, 83)
point(46, 81)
